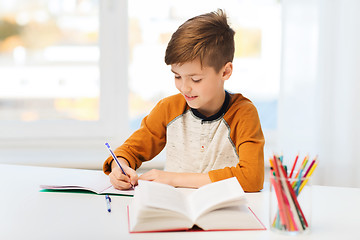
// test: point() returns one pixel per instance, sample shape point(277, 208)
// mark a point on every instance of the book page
point(154, 220)
point(161, 196)
point(112, 190)
point(235, 218)
point(219, 194)
point(92, 180)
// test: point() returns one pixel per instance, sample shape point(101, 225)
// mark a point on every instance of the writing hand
point(121, 181)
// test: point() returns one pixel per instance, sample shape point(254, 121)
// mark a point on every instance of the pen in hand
point(116, 160)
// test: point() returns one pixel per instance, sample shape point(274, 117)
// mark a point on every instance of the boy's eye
point(196, 80)
point(177, 77)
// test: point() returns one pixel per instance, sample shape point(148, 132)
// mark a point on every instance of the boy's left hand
point(176, 179)
point(158, 176)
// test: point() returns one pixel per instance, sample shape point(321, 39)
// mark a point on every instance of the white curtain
point(319, 107)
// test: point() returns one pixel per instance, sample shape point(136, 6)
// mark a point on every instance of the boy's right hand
point(117, 177)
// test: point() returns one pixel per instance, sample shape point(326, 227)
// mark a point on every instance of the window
point(63, 70)
point(73, 73)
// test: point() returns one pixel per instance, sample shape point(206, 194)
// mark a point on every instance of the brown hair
point(207, 36)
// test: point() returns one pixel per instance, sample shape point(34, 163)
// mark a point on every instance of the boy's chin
point(192, 105)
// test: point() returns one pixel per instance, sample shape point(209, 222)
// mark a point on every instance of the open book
point(83, 180)
point(216, 206)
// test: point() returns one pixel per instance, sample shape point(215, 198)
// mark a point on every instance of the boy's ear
point(227, 71)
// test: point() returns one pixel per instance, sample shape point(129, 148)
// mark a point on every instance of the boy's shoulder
point(239, 103)
point(239, 99)
point(174, 99)
point(173, 105)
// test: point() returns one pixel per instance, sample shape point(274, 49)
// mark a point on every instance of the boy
point(209, 133)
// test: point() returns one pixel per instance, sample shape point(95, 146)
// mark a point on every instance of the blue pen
point(116, 159)
point(108, 201)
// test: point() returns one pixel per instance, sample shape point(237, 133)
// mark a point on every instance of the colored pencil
point(282, 210)
point(293, 167)
point(301, 218)
point(292, 212)
point(279, 200)
point(310, 166)
point(309, 175)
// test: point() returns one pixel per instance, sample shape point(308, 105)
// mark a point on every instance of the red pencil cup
point(290, 204)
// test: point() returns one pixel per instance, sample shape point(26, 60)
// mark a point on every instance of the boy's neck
point(218, 114)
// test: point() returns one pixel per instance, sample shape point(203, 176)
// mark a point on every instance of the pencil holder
point(290, 204)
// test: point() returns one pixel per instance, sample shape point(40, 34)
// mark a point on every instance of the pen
point(116, 160)
point(108, 201)
point(114, 157)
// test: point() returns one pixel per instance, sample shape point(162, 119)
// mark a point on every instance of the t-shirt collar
point(216, 115)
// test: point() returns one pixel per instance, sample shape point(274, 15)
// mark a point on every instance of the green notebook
point(83, 181)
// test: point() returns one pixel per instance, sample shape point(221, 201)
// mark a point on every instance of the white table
point(26, 213)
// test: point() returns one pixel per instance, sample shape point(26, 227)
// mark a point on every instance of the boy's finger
point(133, 177)
point(119, 177)
point(134, 180)
point(120, 184)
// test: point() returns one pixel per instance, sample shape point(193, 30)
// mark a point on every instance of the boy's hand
point(159, 176)
point(190, 180)
point(117, 177)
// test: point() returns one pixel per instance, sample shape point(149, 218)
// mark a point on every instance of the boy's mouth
point(189, 98)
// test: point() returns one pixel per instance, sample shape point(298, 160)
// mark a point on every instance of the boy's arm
point(188, 180)
point(249, 171)
point(249, 142)
point(146, 142)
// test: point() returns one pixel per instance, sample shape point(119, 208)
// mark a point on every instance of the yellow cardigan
point(225, 145)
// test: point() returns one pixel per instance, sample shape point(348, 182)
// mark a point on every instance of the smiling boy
point(209, 133)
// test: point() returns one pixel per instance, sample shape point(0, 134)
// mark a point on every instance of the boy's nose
point(185, 86)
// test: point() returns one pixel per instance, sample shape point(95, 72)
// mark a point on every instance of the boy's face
point(202, 87)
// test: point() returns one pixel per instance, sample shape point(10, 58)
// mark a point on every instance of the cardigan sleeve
point(148, 141)
point(248, 139)
point(145, 143)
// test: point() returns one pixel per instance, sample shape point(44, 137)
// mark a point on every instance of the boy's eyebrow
point(192, 74)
